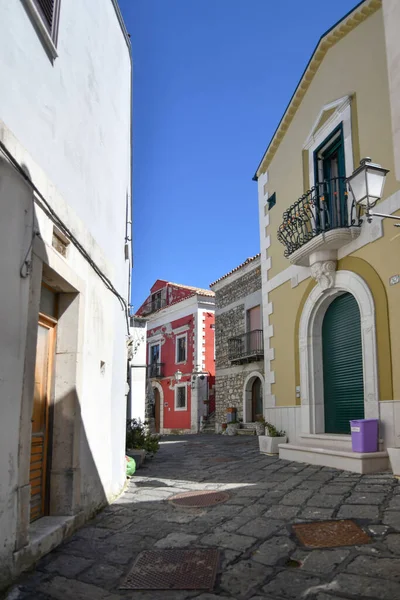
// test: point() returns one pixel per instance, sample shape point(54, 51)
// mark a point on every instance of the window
point(180, 397)
point(46, 15)
point(181, 348)
point(155, 354)
point(156, 301)
point(330, 173)
point(271, 201)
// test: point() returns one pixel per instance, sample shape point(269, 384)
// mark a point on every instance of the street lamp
point(366, 185)
point(178, 375)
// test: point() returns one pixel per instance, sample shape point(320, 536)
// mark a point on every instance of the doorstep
point(44, 535)
point(327, 440)
point(345, 460)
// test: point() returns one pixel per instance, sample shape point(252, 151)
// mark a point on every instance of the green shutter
point(343, 366)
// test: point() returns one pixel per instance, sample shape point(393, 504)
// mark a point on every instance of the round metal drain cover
point(199, 499)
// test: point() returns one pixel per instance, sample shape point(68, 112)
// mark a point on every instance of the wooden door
point(40, 416)
point(253, 327)
point(156, 409)
point(256, 400)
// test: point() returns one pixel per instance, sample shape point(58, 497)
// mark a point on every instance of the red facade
point(180, 355)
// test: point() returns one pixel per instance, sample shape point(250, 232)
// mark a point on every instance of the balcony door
point(330, 182)
point(253, 327)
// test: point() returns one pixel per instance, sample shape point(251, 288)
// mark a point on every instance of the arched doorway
point(342, 364)
point(156, 393)
point(311, 349)
point(256, 400)
point(253, 397)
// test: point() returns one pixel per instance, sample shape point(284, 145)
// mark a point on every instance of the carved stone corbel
point(324, 273)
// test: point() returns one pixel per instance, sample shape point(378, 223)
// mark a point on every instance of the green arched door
point(342, 364)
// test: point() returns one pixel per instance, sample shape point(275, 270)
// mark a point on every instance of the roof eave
point(371, 6)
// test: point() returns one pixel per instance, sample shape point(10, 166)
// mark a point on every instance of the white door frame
point(310, 342)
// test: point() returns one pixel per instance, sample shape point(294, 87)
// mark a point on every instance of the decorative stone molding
point(310, 346)
point(324, 273)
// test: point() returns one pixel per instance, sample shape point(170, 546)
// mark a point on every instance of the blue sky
point(211, 81)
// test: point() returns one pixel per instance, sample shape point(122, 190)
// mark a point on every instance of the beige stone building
point(331, 303)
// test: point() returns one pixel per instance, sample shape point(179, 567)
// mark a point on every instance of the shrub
point(138, 437)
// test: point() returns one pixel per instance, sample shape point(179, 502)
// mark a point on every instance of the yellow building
point(331, 306)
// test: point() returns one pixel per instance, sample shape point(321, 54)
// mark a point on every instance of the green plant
point(273, 431)
point(260, 419)
point(138, 437)
point(233, 422)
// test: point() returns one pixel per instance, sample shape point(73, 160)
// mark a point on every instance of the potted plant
point(394, 457)
point(260, 425)
point(269, 443)
point(224, 426)
point(232, 427)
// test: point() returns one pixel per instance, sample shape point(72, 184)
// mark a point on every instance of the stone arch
point(310, 344)
point(247, 388)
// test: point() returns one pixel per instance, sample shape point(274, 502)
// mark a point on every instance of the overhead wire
point(49, 211)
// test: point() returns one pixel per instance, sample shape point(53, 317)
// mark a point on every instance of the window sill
point(180, 409)
point(44, 34)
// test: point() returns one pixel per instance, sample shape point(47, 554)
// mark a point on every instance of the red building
point(180, 356)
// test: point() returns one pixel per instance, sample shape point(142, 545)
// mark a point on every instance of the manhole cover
point(199, 499)
point(329, 534)
point(173, 569)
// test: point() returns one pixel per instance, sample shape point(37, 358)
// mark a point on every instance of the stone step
point(358, 462)
point(326, 440)
point(248, 426)
point(246, 432)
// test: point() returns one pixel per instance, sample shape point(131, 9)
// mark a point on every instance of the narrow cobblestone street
point(260, 555)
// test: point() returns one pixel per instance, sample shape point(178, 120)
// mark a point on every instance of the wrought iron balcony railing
point(153, 305)
point(155, 370)
point(324, 207)
point(246, 347)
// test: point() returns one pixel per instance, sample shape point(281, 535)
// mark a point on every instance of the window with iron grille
point(181, 349)
point(46, 15)
point(180, 397)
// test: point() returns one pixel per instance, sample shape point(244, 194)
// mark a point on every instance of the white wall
point(68, 124)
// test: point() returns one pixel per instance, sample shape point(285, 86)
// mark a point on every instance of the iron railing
point(246, 347)
point(155, 370)
point(153, 305)
point(319, 210)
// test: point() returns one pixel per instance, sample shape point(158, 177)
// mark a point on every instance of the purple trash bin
point(364, 435)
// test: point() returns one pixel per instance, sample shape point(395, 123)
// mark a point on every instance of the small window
point(271, 201)
point(180, 397)
point(181, 349)
point(46, 16)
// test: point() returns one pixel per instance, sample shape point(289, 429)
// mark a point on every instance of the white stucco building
point(136, 407)
point(65, 263)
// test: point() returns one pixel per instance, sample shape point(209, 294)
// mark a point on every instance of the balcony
point(322, 219)
point(155, 371)
point(248, 347)
point(153, 305)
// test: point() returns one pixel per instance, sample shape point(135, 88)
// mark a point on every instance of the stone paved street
point(260, 556)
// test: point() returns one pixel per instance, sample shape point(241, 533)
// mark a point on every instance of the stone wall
point(241, 287)
point(230, 378)
point(227, 325)
point(229, 392)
